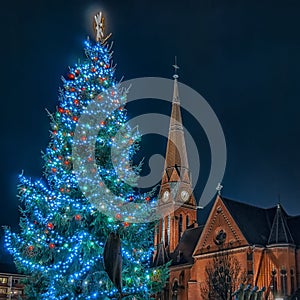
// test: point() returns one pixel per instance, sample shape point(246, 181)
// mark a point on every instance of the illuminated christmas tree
point(67, 245)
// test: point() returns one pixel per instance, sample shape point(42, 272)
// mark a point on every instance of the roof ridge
point(244, 203)
point(194, 228)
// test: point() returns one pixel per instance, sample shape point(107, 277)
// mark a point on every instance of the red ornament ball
point(61, 110)
point(126, 224)
point(51, 246)
point(77, 217)
point(118, 216)
point(50, 226)
point(76, 102)
point(75, 118)
point(147, 198)
point(53, 170)
point(30, 248)
point(71, 76)
point(77, 72)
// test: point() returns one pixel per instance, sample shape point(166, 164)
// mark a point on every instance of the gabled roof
point(280, 232)
point(260, 226)
point(184, 250)
point(254, 222)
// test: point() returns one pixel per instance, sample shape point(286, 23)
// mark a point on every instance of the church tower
point(176, 201)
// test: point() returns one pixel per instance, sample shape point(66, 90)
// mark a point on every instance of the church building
point(227, 243)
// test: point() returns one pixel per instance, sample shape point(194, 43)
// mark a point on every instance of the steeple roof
point(161, 256)
point(176, 156)
point(280, 232)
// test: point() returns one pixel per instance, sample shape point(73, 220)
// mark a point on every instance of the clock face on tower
point(166, 196)
point(184, 195)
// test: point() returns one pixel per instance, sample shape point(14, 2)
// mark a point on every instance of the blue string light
point(62, 234)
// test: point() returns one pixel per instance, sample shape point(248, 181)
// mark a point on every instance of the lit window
point(3, 279)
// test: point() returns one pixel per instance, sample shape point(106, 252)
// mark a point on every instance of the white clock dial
point(166, 196)
point(184, 195)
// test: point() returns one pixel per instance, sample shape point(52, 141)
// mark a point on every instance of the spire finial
point(175, 66)
point(279, 201)
point(219, 188)
point(99, 27)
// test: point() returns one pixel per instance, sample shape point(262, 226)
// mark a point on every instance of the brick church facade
point(261, 246)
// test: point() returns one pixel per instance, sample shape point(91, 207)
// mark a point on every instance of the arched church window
point(250, 262)
point(283, 277)
point(168, 229)
point(181, 278)
point(175, 289)
point(179, 227)
point(163, 231)
point(274, 282)
point(187, 221)
point(292, 281)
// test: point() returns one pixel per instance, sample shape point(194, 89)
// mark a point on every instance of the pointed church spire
point(176, 156)
point(280, 232)
point(176, 204)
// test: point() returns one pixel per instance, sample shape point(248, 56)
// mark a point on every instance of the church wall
point(298, 268)
point(198, 270)
point(182, 277)
point(256, 269)
point(275, 268)
point(281, 260)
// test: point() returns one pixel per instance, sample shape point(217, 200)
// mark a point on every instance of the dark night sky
point(242, 56)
